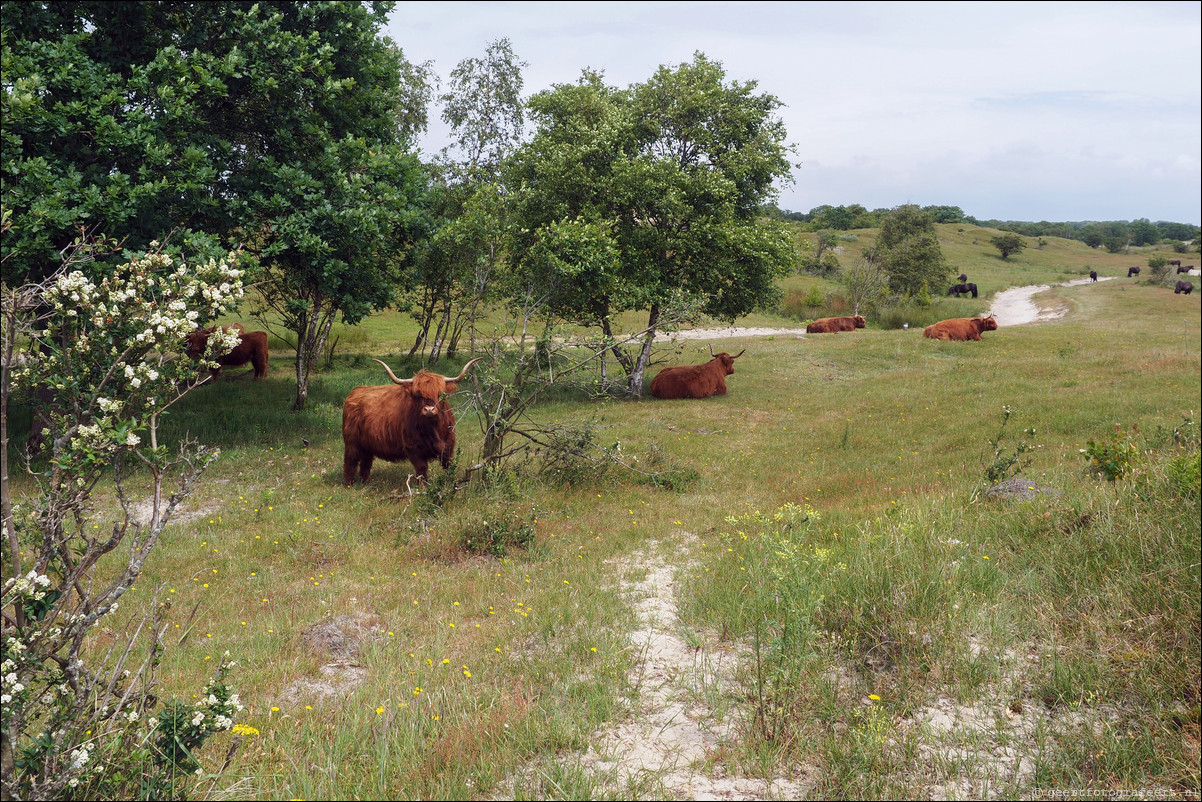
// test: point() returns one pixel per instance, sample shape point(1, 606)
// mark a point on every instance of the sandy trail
point(671, 734)
point(1016, 306)
point(1012, 307)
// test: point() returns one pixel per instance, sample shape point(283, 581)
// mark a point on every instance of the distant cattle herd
point(411, 420)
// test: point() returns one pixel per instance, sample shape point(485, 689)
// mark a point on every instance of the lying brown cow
point(251, 348)
point(960, 328)
point(830, 325)
point(408, 420)
point(695, 381)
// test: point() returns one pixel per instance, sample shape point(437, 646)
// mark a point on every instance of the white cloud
point(1059, 111)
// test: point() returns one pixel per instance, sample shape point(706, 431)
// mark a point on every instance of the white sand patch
point(672, 732)
point(1016, 306)
point(728, 332)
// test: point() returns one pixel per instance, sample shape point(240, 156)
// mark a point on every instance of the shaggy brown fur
point(252, 348)
point(829, 325)
point(960, 328)
point(695, 381)
point(408, 420)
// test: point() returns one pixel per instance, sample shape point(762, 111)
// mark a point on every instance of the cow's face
point(859, 321)
point(428, 390)
point(989, 324)
point(196, 342)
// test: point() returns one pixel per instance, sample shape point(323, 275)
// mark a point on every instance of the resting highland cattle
point(1183, 287)
point(1093, 275)
point(1132, 271)
point(829, 325)
point(408, 420)
point(960, 328)
point(962, 289)
point(251, 348)
point(695, 381)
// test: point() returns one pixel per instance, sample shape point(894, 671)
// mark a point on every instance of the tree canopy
point(908, 249)
point(284, 126)
point(649, 197)
point(1008, 244)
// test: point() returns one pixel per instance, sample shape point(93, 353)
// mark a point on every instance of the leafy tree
point(1178, 232)
point(864, 283)
point(1008, 244)
point(1142, 232)
point(1115, 244)
point(1158, 266)
point(1091, 236)
point(248, 121)
point(908, 250)
point(945, 214)
point(456, 266)
point(643, 198)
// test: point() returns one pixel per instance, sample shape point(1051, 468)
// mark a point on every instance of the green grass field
point(1059, 636)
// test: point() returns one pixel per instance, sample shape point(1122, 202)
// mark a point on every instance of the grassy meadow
point(830, 534)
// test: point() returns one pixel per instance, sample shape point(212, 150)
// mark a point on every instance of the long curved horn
point(736, 356)
point(463, 372)
point(712, 351)
point(392, 375)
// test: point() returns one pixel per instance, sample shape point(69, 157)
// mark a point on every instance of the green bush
point(1114, 458)
point(499, 527)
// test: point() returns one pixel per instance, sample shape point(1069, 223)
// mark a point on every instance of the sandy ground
point(666, 742)
point(1016, 306)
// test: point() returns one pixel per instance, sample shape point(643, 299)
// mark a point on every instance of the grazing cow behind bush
point(1174, 263)
point(1132, 271)
point(252, 348)
point(1093, 275)
point(1183, 287)
point(695, 381)
point(962, 289)
point(962, 278)
point(830, 325)
point(960, 328)
point(408, 420)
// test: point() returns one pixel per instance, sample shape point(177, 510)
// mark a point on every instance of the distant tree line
point(1113, 235)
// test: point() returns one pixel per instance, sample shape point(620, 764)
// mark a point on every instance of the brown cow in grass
point(695, 381)
point(960, 328)
point(829, 325)
point(408, 420)
point(251, 348)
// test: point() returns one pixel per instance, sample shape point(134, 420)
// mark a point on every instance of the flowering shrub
point(99, 345)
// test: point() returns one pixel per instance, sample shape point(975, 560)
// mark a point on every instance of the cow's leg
point(350, 461)
point(420, 467)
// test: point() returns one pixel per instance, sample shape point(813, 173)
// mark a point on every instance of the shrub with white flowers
point(102, 346)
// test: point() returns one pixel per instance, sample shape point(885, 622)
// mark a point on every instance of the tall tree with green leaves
point(648, 199)
point(1008, 244)
point(247, 121)
point(908, 249)
point(457, 264)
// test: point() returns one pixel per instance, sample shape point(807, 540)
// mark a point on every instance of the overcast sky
point(1011, 111)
